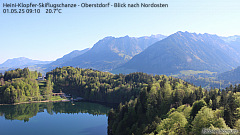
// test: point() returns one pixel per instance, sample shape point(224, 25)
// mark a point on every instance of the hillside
point(111, 52)
point(233, 41)
point(184, 51)
point(232, 75)
point(65, 58)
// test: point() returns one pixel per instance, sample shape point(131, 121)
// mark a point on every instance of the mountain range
point(111, 52)
point(21, 62)
point(233, 41)
point(184, 51)
point(156, 54)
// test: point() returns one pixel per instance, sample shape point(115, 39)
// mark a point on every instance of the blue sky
point(50, 36)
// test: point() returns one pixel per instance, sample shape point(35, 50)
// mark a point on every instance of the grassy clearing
point(192, 72)
point(56, 98)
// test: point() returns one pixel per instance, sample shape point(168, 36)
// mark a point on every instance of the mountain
point(65, 58)
point(233, 41)
point(111, 52)
point(232, 75)
point(22, 62)
point(184, 51)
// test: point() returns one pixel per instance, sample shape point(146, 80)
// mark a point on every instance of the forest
point(148, 104)
point(21, 85)
point(98, 86)
point(176, 108)
point(153, 104)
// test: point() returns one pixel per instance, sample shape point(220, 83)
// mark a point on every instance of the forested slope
point(170, 110)
point(20, 85)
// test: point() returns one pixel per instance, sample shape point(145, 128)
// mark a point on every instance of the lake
point(62, 118)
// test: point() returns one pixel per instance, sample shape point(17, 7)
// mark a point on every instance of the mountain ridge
point(232, 75)
point(21, 61)
point(111, 52)
point(184, 51)
point(65, 58)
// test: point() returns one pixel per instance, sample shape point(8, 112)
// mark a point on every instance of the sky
point(50, 36)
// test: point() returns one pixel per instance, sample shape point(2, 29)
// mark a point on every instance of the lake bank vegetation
point(21, 86)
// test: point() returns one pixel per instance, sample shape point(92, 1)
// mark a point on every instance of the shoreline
point(37, 102)
point(66, 100)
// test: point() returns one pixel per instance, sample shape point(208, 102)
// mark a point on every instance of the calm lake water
point(63, 118)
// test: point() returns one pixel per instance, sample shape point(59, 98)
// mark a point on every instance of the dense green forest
point(20, 85)
point(152, 104)
point(99, 86)
point(148, 104)
point(206, 79)
point(207, 82)
point(175, 108)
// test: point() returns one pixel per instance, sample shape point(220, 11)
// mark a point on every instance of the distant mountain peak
point(19, 58)
point(180, 34)
point(108, 37)
point(21, 61)
point(196, 37)
point(231, 38)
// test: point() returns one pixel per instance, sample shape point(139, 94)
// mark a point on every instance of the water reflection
point(26, 111)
